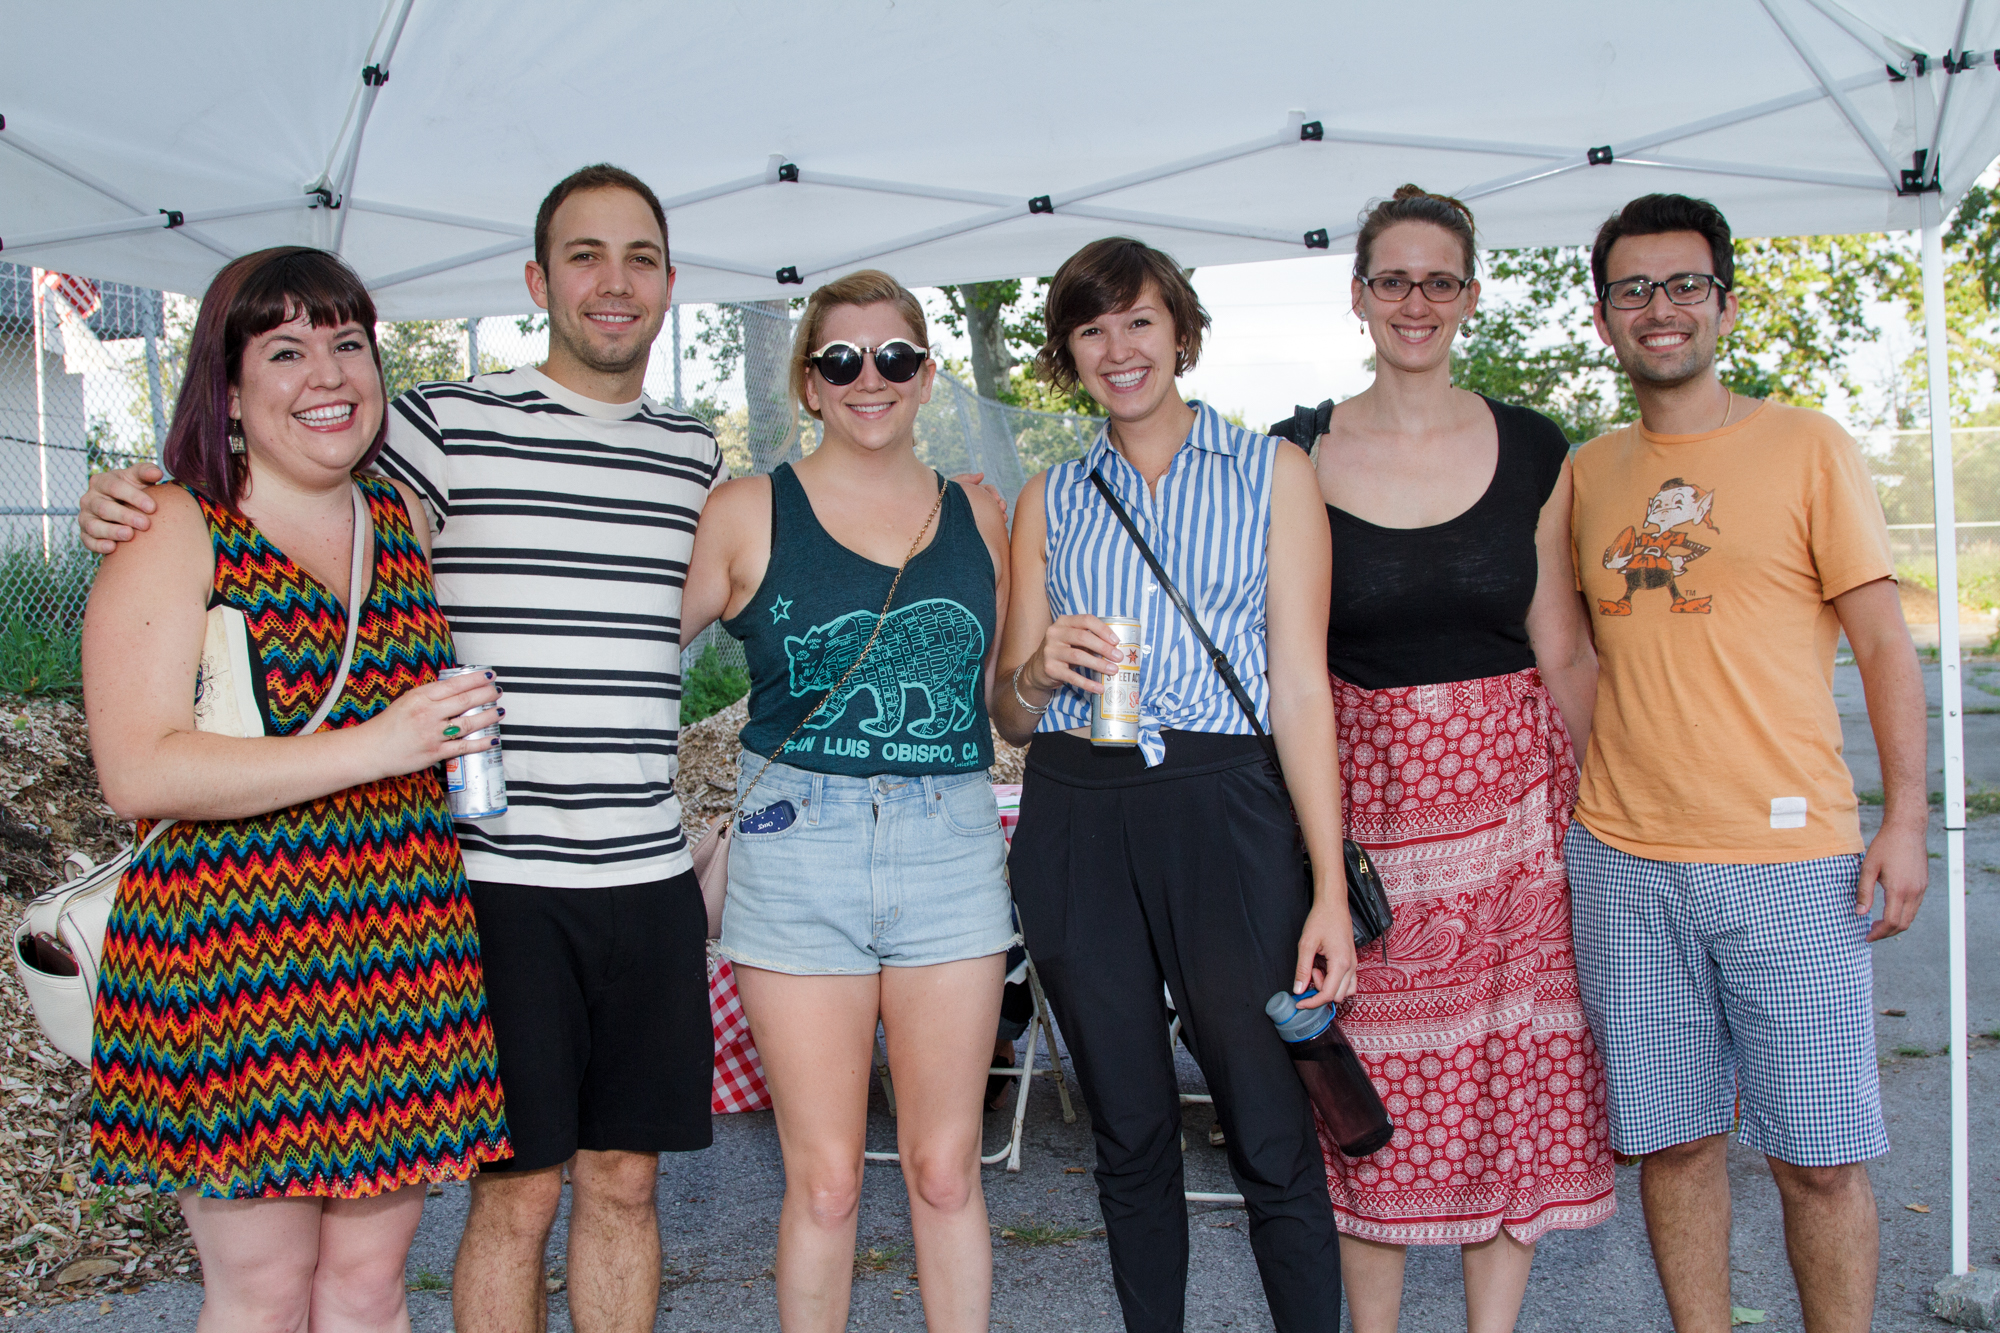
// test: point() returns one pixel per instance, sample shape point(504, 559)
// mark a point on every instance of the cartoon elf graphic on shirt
point(1656, 556)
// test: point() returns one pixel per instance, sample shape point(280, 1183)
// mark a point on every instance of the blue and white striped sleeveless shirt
point(1209, 524)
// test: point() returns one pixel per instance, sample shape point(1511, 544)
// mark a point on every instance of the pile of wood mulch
point(61, 1237)
point(707, 779)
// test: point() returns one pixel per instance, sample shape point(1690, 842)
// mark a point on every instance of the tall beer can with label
point(475, 784)
point(1114, 718)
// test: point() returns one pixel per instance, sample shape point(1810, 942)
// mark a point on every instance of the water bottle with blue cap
point(1326, 1063)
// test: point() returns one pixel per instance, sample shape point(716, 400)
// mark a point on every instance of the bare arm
point(1872, 617)
point(732, 549)
point(142, 641)
point(1302, 717)
point(990, 512)
point(1559, 624)
point(1048, 653)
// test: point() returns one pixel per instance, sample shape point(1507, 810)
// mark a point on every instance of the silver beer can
point(1114, 717)
point(475, 784)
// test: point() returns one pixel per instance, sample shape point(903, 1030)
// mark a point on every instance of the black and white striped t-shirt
point(564, 527)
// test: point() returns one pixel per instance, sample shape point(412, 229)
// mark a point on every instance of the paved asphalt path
point(719, 1208)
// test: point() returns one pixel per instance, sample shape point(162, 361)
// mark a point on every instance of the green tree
point(1802, 309)
point(1972, 304)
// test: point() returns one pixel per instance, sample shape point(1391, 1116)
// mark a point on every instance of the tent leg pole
point(1952, 709)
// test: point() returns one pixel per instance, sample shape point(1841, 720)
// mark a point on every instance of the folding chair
point(1041, 1030)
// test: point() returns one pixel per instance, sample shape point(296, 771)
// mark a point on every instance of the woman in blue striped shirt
point(1175, 860)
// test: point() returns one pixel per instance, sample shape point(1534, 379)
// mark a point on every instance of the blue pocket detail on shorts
point(773, 818)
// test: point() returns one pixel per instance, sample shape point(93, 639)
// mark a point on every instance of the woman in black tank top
point(866, 860)
point(1462, 668)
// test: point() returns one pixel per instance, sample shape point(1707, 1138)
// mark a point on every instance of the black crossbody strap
point(1215, 654)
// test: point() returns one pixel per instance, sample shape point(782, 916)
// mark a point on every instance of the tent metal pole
point(1937, 365)
point(35, 308)
point(445, 265)
point(693, 260)
point(737, 186)
point(1839, 180)
point(1515, 179)
point(984, 198)
point(432, 215)
point(153, 223)
point(1884, 47)
point(1934, 143)
point(677, 357)
point(1839, 96)
point(29, 148)
point(155, 397)
point(1745, 114)
point(1283, 138)
point(1334, 134)
point(1285, 238)
point(371, 89)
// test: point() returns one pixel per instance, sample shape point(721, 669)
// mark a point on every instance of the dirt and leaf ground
point(61, 1237)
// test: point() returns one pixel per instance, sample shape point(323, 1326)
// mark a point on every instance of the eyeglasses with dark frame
point(1681, 289)
point(897, 361)
point(1438, 289)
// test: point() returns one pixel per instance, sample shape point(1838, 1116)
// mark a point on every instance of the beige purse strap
point(880, 620)
point(357, 592)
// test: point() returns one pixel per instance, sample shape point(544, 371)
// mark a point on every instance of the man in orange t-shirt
point(1719, 889)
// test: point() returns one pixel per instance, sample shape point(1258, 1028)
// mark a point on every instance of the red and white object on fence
point(79, 294)
point(739, 1074)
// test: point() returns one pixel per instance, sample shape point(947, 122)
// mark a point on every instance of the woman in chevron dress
point(291, 1029)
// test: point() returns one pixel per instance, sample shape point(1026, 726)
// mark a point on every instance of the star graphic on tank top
point(781, 609)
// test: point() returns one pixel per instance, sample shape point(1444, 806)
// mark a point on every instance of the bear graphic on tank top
point(936, 646)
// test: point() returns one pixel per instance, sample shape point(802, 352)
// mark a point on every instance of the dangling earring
point(237, 444)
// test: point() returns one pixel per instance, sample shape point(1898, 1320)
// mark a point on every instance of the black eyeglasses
point(897, 361)
point(1437, 289)
point(1681, 289)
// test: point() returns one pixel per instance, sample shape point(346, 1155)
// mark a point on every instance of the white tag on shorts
point(1788, 812)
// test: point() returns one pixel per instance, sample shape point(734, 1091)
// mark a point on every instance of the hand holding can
point(1114, 714)
point(476, 784)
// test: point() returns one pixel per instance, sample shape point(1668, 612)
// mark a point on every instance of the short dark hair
point(252, 295)
point(1655, 214)
point(1413, 203)
point(1108, 275)
point(597, 176)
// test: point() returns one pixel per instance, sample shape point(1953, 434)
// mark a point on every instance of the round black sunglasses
point(897, 361)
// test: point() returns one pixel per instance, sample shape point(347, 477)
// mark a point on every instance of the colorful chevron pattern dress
point(291, 1004)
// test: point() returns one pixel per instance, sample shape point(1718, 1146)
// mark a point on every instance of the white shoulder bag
point(60, 941)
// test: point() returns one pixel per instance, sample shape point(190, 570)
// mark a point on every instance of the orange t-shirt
point(1708, 564)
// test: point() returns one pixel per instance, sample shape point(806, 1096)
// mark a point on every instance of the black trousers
point(1187, 874)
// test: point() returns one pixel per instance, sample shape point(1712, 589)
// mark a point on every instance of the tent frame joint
point(1601, 156)
point(373, 76)
point(788, 276)
point(1920, 177)
point(1317, 239)
point(1312, 132)
point(1041, 203)
point(175, 218)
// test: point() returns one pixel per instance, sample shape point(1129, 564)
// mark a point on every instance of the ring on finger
point(452, 729)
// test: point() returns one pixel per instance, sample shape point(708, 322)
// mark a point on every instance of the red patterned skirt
point(1472, 1030)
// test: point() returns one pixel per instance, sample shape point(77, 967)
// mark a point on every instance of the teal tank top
point(918, 703)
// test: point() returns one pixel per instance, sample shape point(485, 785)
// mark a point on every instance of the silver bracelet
point(1022, 701)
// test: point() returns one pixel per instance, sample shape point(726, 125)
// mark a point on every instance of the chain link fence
point(89, 372)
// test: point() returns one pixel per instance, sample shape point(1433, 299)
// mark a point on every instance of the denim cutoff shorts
point(864, 873)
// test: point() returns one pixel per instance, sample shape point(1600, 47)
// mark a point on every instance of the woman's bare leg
point(1372, 1275)
point(816, 1038)
point(363, 1245)
point(940, 1023)
point(1496, 1278)
point(257, 1261)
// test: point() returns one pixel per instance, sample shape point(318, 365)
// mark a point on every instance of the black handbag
point(1367, 899)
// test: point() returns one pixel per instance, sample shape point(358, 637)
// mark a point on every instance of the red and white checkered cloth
point(739, 1074)
point(1008, 796)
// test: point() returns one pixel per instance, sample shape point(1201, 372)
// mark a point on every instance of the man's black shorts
point(599, 1000)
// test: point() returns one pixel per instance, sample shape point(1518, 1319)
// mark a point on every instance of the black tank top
point(1420, 606)
point(918, 703)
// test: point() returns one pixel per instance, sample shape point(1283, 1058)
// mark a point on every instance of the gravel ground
point(719, 1207)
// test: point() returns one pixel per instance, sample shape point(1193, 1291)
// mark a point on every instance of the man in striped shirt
point(565, 503)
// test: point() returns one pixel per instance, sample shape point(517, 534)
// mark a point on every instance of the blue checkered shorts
point(1708, 982)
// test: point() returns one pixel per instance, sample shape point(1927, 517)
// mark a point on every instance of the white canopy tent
point(795, 139)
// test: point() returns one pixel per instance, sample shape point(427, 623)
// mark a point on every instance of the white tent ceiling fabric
point(818, 136)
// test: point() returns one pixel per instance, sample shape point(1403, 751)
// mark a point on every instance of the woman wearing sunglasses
point(1462, 669)
point(865, 863)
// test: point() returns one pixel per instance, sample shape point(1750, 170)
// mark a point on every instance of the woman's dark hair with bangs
point(252, 295)
point(1107, 276)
